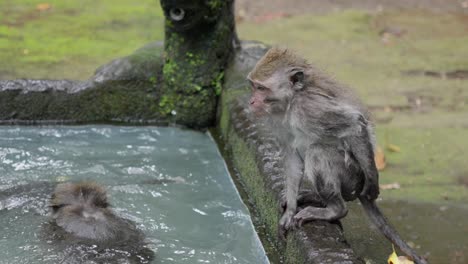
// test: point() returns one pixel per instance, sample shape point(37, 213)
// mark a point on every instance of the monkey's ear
point(297, 79)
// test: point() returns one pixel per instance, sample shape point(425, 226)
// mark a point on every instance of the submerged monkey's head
point(82, 209)
point(82, 194)
point(83, 222)
point(277, 76)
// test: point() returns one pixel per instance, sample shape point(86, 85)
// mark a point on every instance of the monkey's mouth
point(257, 112)
point(271, 100)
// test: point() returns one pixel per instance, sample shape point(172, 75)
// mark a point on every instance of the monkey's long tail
point(379, 220)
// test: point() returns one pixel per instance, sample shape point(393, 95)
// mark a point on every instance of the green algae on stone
point(194, 63)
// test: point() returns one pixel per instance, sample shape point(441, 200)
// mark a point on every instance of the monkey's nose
point(93, 214)
point(252, 101)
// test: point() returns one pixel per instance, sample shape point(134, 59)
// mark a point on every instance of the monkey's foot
point(304, 198)
point(314, 213)
point(286, 223)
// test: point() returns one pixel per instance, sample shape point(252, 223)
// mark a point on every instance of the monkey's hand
point(303, 216)
point(370, 190)
point(286, 223)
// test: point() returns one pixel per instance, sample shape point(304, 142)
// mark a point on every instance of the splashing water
point(172, 183)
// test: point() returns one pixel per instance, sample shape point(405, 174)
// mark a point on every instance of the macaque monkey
point(81, 216)
point(327, 137)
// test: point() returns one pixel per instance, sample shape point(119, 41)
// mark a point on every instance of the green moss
point(294, 251)
point(193, 75)
point(217, 83)
point(224, 122)
point(170, 68)
point(243, 159)
point(263, 199)
point(215, 4)
point(225, 102)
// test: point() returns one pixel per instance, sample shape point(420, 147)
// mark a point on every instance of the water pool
point(195, 217)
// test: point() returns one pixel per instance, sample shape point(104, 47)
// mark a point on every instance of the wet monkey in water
point(81, 215)
point(327, 138)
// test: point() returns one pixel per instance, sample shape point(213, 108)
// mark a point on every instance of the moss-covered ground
point(69, 39)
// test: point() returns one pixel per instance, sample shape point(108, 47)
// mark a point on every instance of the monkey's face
point(82, 210)
point(86, 220)
point(271, 96)
point(259, 103)
point(87, 211)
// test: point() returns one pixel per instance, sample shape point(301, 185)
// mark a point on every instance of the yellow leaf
point(379, 159)
point(43, 6)
point(395, 259)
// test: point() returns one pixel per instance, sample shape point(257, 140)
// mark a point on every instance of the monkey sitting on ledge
point(327, 137)
point(81, 217)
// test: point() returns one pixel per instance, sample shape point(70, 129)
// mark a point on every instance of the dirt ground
point(248, 9)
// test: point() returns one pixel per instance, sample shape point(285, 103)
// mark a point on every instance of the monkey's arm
point(293, 166)
point(362, 150)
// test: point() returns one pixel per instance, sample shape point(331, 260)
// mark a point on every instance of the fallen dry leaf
point(379, 159)
point(43, 6)
point(390, 186)
point(241, 15)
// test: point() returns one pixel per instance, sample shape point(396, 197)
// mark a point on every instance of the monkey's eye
point(261, 88)
point(102, 204)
